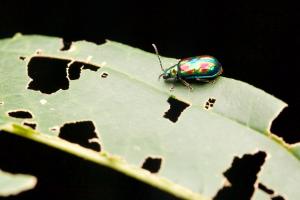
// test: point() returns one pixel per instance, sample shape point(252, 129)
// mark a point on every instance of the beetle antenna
point(156, 51)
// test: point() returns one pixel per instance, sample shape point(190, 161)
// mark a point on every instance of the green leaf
point(127, 109)
point(12, 184)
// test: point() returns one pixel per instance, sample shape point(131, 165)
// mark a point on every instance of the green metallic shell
point(199, 67)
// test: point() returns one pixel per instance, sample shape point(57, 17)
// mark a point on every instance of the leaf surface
point(12, 184)
point(127, 109)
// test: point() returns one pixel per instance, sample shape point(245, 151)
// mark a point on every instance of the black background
point(255, 42)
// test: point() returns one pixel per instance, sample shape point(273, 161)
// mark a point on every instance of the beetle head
point(169, 73)
point(165, 75)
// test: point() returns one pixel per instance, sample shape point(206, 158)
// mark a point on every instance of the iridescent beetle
point(199, 68)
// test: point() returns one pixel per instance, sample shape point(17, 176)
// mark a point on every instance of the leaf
point(12, 184)
point(127, 109)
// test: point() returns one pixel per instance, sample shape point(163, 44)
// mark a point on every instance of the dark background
point(255, 42)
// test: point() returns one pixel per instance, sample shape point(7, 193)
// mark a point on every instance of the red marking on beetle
point(184, 67)
point(203, 70)
point(204, 65)
point(191, 71)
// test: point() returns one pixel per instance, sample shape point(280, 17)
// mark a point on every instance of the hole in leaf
point(209, 103)
point(176, 108)
point(74, 70)
point(22, 57)
point(82, 133)
point(265, 189)
point(54, 129)
point(269, 191)
point(90, 67)
point(242, 176)
point(1, 103)
point(152, 164)
point(66, 44)
point(38, 51)
point(48, 74)
point(22, 114)
point(286, 125)
point(277, 198)
point(30, 124)
point(104, 75)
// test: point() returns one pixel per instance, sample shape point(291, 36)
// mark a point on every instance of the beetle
point(200, 68)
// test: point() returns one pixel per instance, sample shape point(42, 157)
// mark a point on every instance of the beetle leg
point(185, 83)
point(203, 80)
point(213, 81)
point(172, 88)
